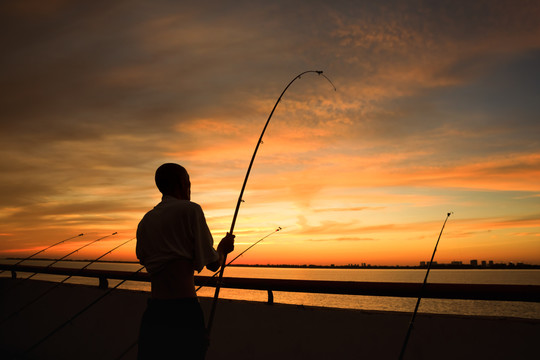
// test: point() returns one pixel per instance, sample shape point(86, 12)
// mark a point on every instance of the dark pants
point(172, 329)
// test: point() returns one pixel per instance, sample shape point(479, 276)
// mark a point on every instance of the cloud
point(362, 208)
point(432, 99)
point(505, 223)
point(345, 239)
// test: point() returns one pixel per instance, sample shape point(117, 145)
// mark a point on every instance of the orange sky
point(437, 109)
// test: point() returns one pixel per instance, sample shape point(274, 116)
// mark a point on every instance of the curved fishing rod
point(216, 294)
point(63, 257)
point(242, 253)
point(421, 291)
point(42, 250)
point(63, 281)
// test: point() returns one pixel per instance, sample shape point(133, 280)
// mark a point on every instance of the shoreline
point(497, 266)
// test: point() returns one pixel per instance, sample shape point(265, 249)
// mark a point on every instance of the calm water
point(464, 307)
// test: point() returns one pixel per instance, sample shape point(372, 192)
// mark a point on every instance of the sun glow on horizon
point(424, 121)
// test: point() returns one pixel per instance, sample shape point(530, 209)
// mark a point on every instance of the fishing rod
point(47, 248)
point(63, 281)
point(61, 326)
point(63, 257)
point(259, 142)
point(230, 262)
point(242, 253)
point(421, 292)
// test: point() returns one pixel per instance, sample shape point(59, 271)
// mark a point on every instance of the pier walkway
point(250, 330)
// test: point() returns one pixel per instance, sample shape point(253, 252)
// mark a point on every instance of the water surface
point(441, 306)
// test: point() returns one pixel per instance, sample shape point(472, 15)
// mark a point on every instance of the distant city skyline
point(454, 263)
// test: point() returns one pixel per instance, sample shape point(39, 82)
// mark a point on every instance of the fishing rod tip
point(81, 234)
point(114, 233)
point(326, 77)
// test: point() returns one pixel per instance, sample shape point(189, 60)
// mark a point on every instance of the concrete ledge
point(251, 330)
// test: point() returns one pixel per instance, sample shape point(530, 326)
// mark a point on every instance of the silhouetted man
point(173, 240)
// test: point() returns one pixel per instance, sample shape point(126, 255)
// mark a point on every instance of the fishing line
point(60, 327)
point(63, 281)
point(259, 142)
point(62, 258)
point(421, 291)
point(42, 250)
point(242, 253)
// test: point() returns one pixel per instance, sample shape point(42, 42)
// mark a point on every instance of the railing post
point(103, 283)
point(13, 274)
point(270, 297)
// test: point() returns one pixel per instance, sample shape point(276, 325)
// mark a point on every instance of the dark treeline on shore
point(333, 266)
point(369, 266)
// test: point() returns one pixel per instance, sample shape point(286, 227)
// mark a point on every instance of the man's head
point(173, 179)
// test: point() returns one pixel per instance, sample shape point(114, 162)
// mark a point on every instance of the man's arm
point(226, 245)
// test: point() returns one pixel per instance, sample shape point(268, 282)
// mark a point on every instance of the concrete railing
point(527, 293)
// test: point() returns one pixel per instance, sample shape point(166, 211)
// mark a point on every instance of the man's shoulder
point(185, 204)
point(180, 205)
point(172, 209)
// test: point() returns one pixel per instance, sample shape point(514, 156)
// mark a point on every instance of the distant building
point(484, 264)
point(422, 263)
point(490, 263)
point(474, 262)
point(459, 263)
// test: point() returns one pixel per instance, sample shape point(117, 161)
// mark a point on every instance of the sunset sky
point(437, 109)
